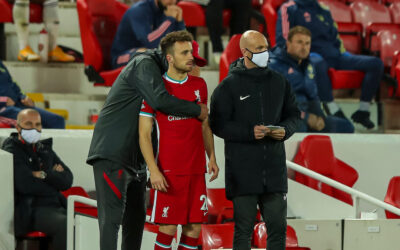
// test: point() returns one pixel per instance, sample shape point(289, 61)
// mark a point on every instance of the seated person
point(12, 101)
point(142, 27)
point(293, 62)
point(328, 52)
point(39, 176)
point(51, 23)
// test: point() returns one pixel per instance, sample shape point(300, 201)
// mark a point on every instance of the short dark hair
point(298, 30)
point(167, 43)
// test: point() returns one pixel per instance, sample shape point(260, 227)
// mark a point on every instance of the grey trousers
point(273, 207)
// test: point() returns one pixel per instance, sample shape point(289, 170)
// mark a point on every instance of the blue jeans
point(333, 124)
point(372, 66)
point(49, 120)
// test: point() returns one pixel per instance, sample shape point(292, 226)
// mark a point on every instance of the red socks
point(188, 243)
point(163, 241)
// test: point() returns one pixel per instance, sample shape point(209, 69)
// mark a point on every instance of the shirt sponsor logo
point(172, 118)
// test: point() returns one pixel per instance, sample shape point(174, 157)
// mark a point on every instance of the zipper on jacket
point(264, 173)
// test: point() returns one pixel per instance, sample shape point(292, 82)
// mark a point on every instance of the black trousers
point(239, 23)
point(273, 207)
point(53, 222)
point(120, 201)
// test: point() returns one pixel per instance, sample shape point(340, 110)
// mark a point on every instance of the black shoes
point(340, 114)
point(362, 117)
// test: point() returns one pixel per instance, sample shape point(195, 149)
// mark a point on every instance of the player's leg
point(190, 236)
point(165, 235)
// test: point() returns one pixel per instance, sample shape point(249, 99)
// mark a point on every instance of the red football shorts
point(184, 202)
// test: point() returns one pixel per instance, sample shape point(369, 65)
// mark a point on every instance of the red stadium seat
point(270, 12)
point(316, 153)
point(339, 11)
point(98, 22)
point(260, 238)
point(35, 12)
point(231, 53)
point(80, 207)
point(351, 35)
point(393, 196)
point(371, 41)
point(33, 236)
point(389, 43)
point(194, 14)
point(394, 9)
point(216, 236)
point(345, 79)
point(219, 208)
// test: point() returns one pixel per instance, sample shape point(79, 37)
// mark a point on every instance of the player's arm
point(209, 146)
point(158, 181)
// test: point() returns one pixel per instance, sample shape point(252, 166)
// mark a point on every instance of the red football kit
point(180, 157)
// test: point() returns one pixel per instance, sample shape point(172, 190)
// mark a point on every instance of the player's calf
point(165, 236)
point(190, 236)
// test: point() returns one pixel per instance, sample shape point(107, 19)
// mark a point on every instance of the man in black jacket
point(39, 176)
point(119, 169)
point(254, 111)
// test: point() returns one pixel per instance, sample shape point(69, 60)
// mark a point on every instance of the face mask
point(260, 59)
point(30, 135)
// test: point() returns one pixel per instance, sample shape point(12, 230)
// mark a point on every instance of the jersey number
point(204, 206)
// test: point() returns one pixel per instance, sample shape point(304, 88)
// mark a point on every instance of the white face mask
point(260, 59)
point(30, 135)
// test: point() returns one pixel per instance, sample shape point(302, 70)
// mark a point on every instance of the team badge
point(290, 71)
point(307, 17)
point(197, 94)
point(165, 212)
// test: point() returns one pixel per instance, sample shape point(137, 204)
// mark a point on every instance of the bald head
point(252, 42)
point(27, 114)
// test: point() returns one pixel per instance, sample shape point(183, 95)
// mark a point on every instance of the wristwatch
point(43, 175)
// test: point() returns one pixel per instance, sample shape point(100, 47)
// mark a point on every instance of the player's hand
point(179, 11)
point(204, 112)
point(315, 122)
point(171, 11)
point(28, 102)
point(260, 131)
point(10, 102)
point(213, 169)
point(158, 181)
point(277, 134)
point(58, 168)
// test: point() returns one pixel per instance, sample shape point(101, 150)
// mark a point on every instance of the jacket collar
point(280, 53)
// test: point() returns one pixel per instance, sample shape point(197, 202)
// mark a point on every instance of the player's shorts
point(185, 201)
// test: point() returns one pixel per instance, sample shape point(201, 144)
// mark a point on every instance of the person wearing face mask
point(39, 176)
point(142, 27)
point(254, 110)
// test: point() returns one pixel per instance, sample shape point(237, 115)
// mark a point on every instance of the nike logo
point(244, 97)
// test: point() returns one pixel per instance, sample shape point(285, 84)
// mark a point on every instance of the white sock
point(51, 21)
point(21, 20)
point(333, 107)
point(364, 106)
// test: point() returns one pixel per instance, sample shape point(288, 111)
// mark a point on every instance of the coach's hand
point(214, 169)
point(158, 181)
point(278, 134)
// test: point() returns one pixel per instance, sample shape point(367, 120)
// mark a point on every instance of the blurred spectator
point(292, 61)
point(142, 27)
point(239, 22)
point(51, 23)
point(39, 176)
point(12, 101)
point(328, 52)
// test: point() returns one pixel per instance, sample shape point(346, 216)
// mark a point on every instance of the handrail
point(357, 195)
point(71, 216)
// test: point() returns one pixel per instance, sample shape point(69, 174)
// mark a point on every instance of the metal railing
point(357, 195)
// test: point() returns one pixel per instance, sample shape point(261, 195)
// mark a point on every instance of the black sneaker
point(362, 117)
point(340, 114)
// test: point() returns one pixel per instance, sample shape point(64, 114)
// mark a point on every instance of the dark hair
point(167, 43)
point(298, 30)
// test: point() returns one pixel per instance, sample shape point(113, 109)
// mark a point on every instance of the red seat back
point(6, 16)
point(393, 196)
point(339, 11)
point(217, 204)
point(217, 236)
point(98, 22)
point(231, 53)
point(351, 35)
point(270, 12)
point(389, 42)
point(371, 41)
point(394, 9)
point(370, 12)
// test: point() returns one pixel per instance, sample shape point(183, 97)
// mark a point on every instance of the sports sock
point(333, 107)
point(188, 243)
point(163, 241)
point(51, 21)
point(21, 20)
point(364, 106)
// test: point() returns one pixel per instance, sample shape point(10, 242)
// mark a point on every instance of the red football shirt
point(180, 139)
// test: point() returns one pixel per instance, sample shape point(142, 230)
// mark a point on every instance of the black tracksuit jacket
point(245, 98)
point(116, 136)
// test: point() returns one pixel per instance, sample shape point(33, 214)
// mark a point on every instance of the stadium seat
point(394, 9)
point(231, 53)
point(393, 196)
point(35, 12)
point(316, 154)
point(22, 241)
point(80, 207)
point(371, 41)
point(339, 11)
point(351, 35)
point(270, 11)
point(98, 22)
point(345, 79)
point(194, 14)
point(39, 100)
point(217, 236)
point(260, 237)
point(219, 208)
point(389, 43)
